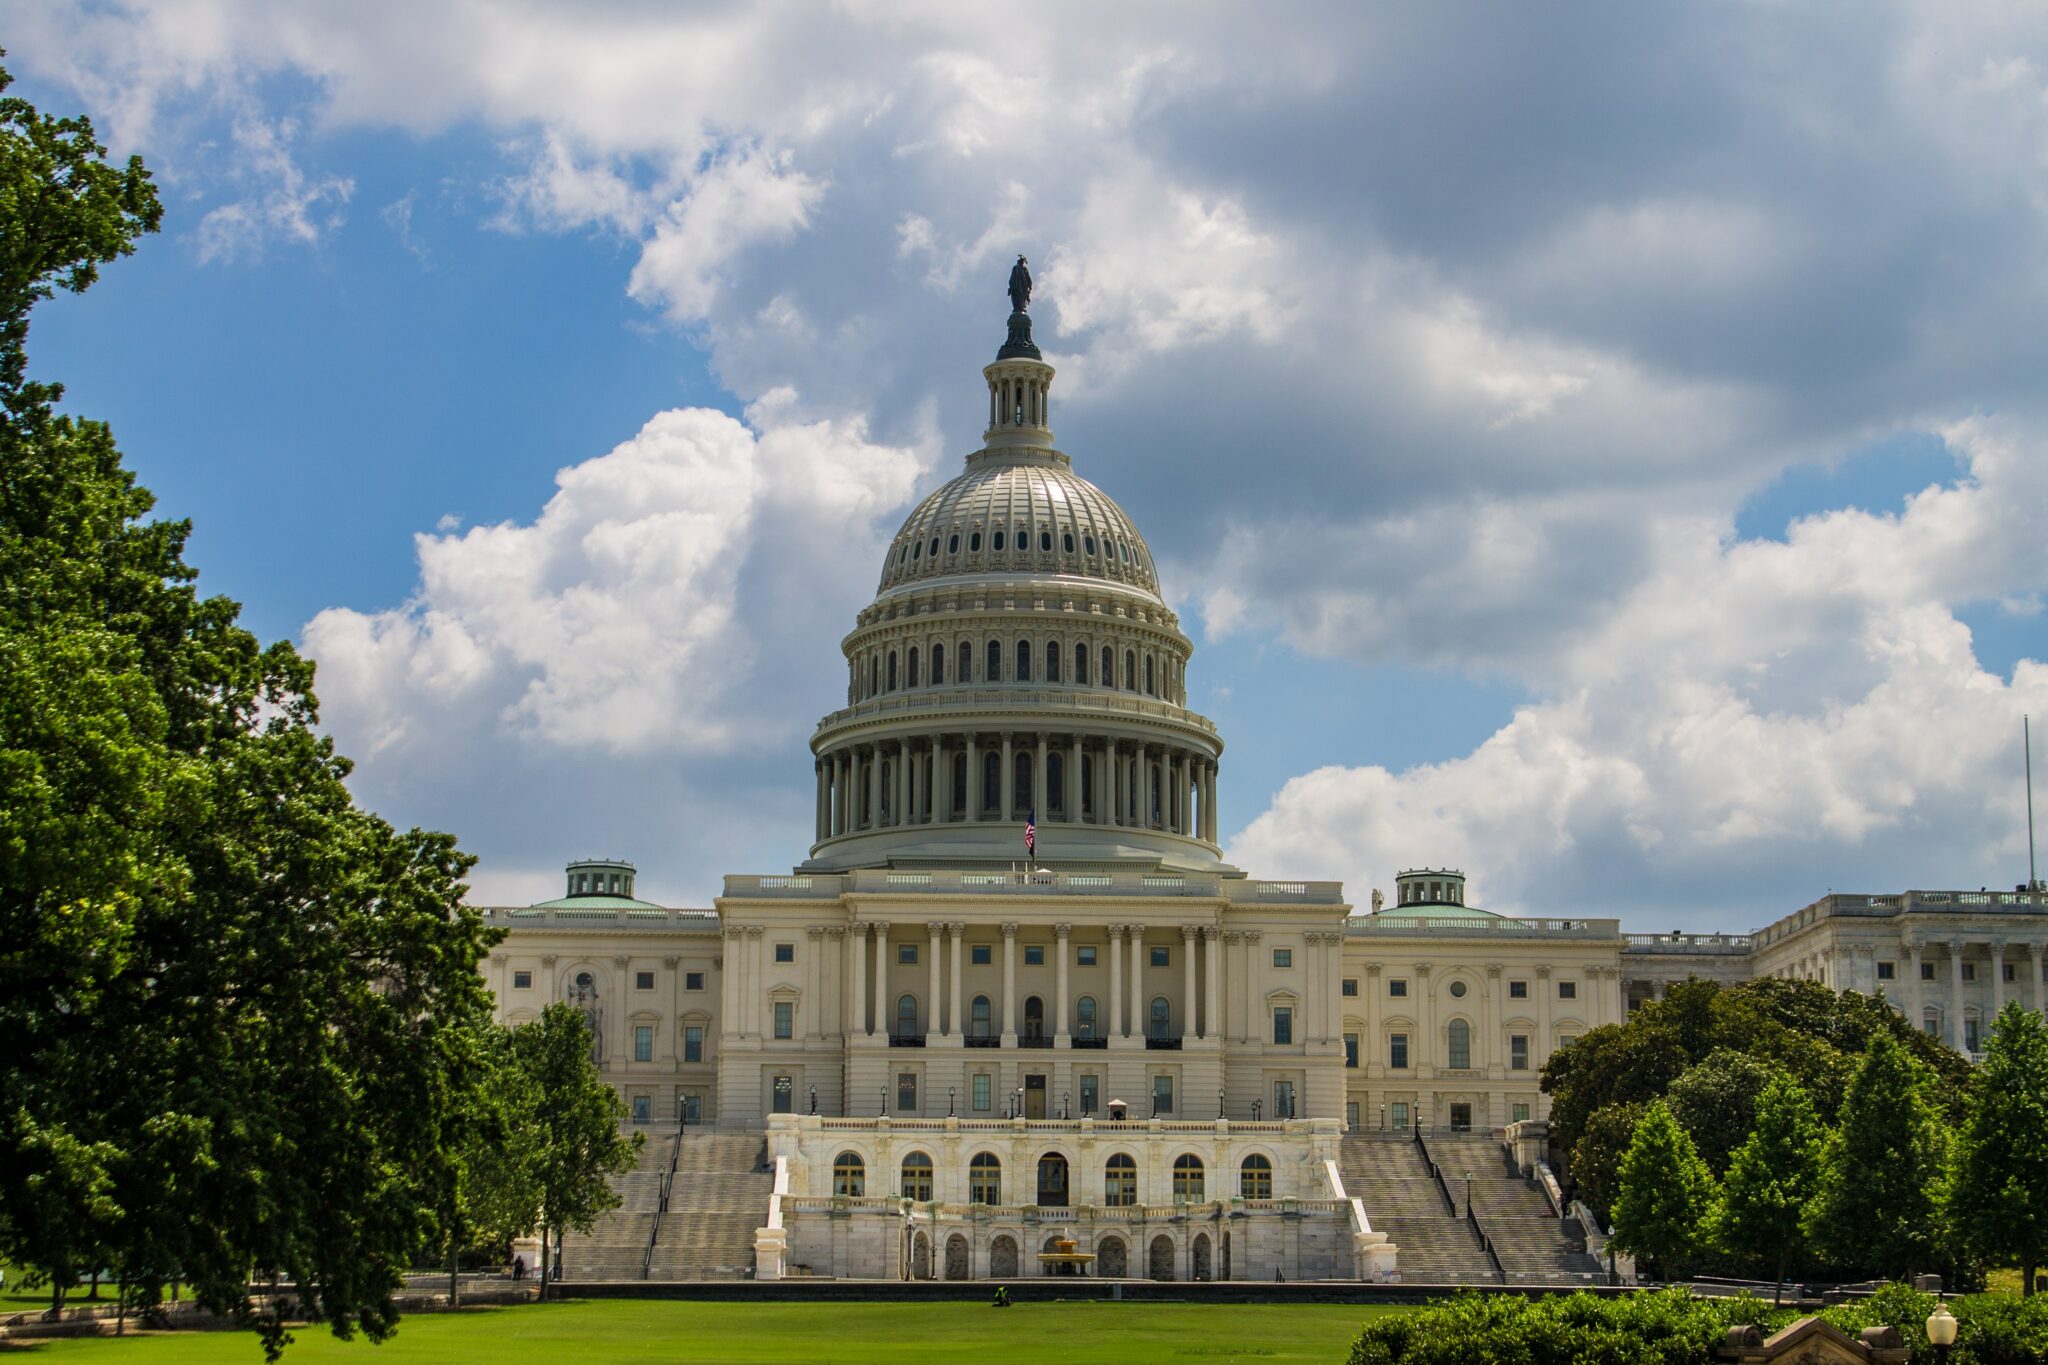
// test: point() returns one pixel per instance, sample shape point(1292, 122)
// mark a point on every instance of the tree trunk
point(1778, 1294)
point(2026, 1277)
point(546, 1243)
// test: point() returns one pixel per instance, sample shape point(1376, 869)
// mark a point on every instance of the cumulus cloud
point(282, 204)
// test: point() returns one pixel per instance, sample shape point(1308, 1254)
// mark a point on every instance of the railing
point(684, 921)
point(668, 1183)
point(1436, 1174)
point(1450, 926)
point(1079, 1042)
point(1040, 1041)
point(1077, 699)
point(1717, 944)
point(1485, 1243)
point(1019, 882)
point(1129, 1127)
point(906, 1040)
point(1162, 1045)
point(983, 1040)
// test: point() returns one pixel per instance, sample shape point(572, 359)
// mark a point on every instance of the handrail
point(1436, 1174)
point(1485, 1243)
point(668, 1185)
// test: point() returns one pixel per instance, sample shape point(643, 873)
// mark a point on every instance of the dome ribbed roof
point(1032, 516)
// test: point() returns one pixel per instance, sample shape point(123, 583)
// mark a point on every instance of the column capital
point(957, 928)
point(1998, 946)
point(1493, 971)
point(935, 928)
point(671, 962)
point(548, 961)
point(815, 932)
point(1543, 973)
point(1009, 928)
point(2037, 949)
point(1190, 932)
point(1252, 936)
point(1422, 969)
point(1232, 936)
point(1955, 947)
point(1060, 931)
point(1372, 971)
point(732, 931)
point(835, 931)
point(756, 930)
point(498, 958)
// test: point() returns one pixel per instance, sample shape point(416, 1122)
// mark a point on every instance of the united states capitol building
point(923, 1053)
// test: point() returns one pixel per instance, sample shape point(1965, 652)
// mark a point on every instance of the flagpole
point(2027, 740)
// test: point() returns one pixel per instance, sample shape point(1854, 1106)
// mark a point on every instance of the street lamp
point(1468, 1194)
point(1219, 1102)
point(949, 1101)
point(1941, 1330)
point(1255, 1110)
point(885, 1101)
point(1383, 1118)
point(814, 1099)
point(1018, 1110)
point(1065, 1106)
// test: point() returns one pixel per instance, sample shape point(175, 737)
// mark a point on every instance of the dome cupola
point(1018, 661)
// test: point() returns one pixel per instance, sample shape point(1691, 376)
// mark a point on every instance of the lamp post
point(1065, 1107)
point(885, 1101)
point(1219, 1101)
point(814, 1099)
point(1255, 1110)
point(949, 1101)
point(1018, 1110)
point(1468, 1194)
point(1941, 1330)
point(1383, 1118)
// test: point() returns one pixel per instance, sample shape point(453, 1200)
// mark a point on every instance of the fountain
point(1064, 1260)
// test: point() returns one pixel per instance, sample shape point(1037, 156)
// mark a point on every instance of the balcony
point(906, 1040)
point(1097, 1043)
point(1040, 1041)
point(984, 1040)
point(1162, 1045)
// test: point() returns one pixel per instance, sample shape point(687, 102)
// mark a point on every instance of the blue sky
point(1603, 453)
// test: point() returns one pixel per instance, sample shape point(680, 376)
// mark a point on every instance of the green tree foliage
point(576, 1143)
point(1596, 1157)
point(1666, 1194)
point(1799, 1027)
point(488, 1191)
point(1883, 1186)
point(227, 995)
point(1761, 1218)
point(1715, 1101)
point(2001, 1185)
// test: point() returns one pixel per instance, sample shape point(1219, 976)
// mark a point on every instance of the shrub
point(1664, 1327)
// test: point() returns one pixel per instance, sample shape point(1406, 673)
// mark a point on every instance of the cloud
point(283, 203)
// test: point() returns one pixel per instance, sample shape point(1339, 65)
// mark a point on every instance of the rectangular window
point(643, 1043)
point(982, 954)
point(1283, 1024)
point(1283, 1099)
point(1459, 1048)
point(1397, 1051)
point(1567, 990)
point(1398, 1112)
point(984, 1092)
point(906, 1092)
point(1162, 957)
point(785, 1095)
point(643, 1109)
point(1969, 1035)
point(1969, 971)
point(2011, 974)
point(1518, 1113)
point(693, 1043)
point(522, 981)
point(693, 981)
point(785, 952)
point(1034, 954)
point(1351, 1051)
point(1350, 985)
point(1887, 971)
point(643, 981)
point(1283, 957)
point(1518, 1052)
point(1085, 955)
point(1565, 1040)
point(1518, 990)
point(1091, 1093)
point(906, 954)
point(1927, 971)
point(1397, 988)
point(1162, 1094)
point(1351, 1114)
point(785, 1019)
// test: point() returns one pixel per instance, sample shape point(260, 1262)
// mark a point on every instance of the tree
point(1596, 1157)
point(1771, 1182)
point(226, 992)
point(1715, 1101)
point(1881, 1193)
point(488, 1194)
point(575, 1140)
point(2001, 1188)
point(1666, 1194)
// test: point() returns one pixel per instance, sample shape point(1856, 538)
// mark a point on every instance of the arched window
point(1160, 1025)
point(1107, 677)
point(1081, 664)
point(974, 542)
point(1187, 1179)
point(1023, 661)
point(995, 662)
point(1052, 663)
point(1056, 783)
point(913, 666)
point(1045, 542)
point(1255, 1178)
point(997, 543)
point(953, 543)
point(906, 1016)
point(938, 664)
point(1067, 542)
point(917, 1176)
point(1460, 1049)
point(917, 551)
point(1130, 671)
point(892, 670)
point(1120, 1182)
point(1088, 542)
point(1034, 1017)
point(874, 676)
point(985, 1179)
point(991, 781)
point(849, 1175)
point(980, 1028)
point(1150, 689)
point(1084, 1016)
point(935, 547)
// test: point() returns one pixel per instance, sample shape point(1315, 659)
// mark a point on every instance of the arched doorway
point(958, 1266)
point(1034, 1018)
point(1112, 1258)
point(1160, 1258)
point(1202, 1270)
point(920, 1257)
point(1002, 1257)
point(1052, 1180)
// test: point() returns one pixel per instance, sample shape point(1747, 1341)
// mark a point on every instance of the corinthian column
point(1212, 1016)
point(1188, 933)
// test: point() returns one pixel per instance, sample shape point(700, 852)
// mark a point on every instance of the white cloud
point(740, 199)
point(284, 203)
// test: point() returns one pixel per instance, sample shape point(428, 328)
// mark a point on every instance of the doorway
point(1034, 1096)
point(1461, 1118)
point(1052, 1181)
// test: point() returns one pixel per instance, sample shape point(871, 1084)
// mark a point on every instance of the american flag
point(1031, 832)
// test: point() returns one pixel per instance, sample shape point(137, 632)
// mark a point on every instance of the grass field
point(811, 1334)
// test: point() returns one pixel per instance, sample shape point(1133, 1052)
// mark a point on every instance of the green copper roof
point(1437, 912)
point(595, 903)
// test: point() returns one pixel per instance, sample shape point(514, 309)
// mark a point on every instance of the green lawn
point(810, 1334)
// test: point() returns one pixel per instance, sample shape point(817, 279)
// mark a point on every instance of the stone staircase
point(717, 1199)
point(1435, 1246)
point(616, 1247)
point(1534, 1245)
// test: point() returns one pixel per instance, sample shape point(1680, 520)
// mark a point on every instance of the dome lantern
point(1019, 382)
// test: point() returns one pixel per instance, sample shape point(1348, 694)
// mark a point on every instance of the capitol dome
point(1018, 666)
